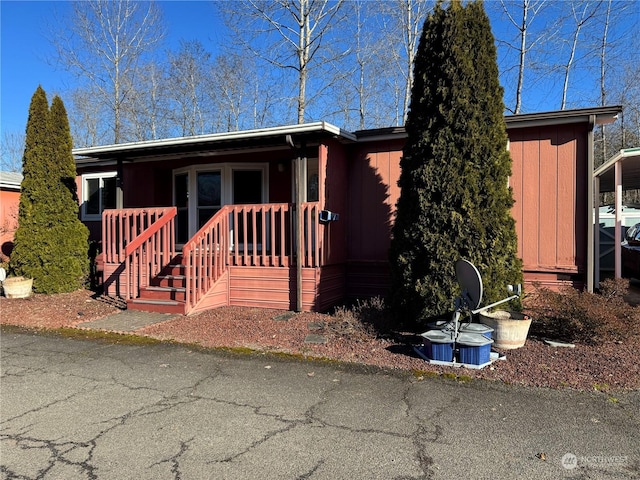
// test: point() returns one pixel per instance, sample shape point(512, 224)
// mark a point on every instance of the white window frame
point(85, 194)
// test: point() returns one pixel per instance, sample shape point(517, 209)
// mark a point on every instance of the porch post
point(299, 185)
point(119, 185)
point(591, 204)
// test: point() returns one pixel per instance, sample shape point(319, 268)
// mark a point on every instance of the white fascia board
point(216, 137)
point(625, 153)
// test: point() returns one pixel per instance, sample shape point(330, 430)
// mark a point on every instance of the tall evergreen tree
point(455, 201)
point(51, 244)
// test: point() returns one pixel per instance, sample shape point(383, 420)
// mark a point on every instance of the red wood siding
point(549, 186)
point(9, 202)
point(331, 286)
point(334, 187)
point(373, 192)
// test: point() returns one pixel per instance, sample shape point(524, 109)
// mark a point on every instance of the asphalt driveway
point(78, 409)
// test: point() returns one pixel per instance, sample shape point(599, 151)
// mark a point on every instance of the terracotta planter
point(17, 287)
point(510, 329)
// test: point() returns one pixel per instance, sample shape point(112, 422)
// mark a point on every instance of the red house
point(9, 202)
point(299, 217)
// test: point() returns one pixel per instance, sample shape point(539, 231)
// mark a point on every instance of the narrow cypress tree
point(455, 201)
point(51, 244)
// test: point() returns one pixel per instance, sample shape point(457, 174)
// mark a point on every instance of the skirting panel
point(367, 279)
point(271, 287)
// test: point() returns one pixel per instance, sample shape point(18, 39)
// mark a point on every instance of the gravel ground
point(609, 367)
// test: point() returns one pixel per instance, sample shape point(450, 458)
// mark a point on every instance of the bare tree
point(581, 13)
point(404, 19)
point(240, 96)
point(103, 43)
point(521, 15)
point(11, 150)
point(288, 35)
point(188, 69)
point(371, 68)
point(149, 108)
point(84, 117)
point(614, 43)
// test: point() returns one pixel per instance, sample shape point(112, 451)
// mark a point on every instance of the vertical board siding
point(334, 191)
point(530, 198)
point(373, 193)
point(549, 188)
point(515, 182)
point(548, 204)
point(568, 200)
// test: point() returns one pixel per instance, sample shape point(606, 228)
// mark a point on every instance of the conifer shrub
point(51, 244)
point(455, 201)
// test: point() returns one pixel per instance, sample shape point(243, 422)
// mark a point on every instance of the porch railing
point(143, 242)
point(206, 257)
point(264, 235)
point(247, 235)
point(141, 239)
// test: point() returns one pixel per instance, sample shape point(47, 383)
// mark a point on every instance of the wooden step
point(163, 293)
point(158, 306)
point(174, 281)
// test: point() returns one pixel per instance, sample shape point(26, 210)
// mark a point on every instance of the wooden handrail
point(142, 241)
point(155, 227)
point(206, 257)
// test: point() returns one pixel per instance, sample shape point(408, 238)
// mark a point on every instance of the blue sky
point(24, 49)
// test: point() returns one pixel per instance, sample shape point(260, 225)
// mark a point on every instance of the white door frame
point(226, 176)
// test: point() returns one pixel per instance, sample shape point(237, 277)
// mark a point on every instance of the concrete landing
point(126, 321)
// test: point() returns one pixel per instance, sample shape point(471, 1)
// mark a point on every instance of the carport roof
point(629, 160)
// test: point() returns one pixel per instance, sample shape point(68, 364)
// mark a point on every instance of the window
point(98, 193)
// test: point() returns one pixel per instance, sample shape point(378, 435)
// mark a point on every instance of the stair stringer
point(217, 296)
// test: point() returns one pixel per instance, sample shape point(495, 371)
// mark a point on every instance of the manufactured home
point(299, 217)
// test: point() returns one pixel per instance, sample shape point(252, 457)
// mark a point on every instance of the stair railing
point(206, 257)
point(149, 252)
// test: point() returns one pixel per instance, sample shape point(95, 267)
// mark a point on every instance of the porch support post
point(119, 184)
point(591, 204)
point(596, 188)
point(618, 220)
point(299, 184)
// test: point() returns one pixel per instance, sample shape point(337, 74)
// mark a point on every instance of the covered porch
point(241, 218)
point(250, 255)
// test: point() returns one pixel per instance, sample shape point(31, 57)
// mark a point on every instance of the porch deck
point(245, 255)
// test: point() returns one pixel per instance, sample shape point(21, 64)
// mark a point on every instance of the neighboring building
point(273, 194)
point(9, 202)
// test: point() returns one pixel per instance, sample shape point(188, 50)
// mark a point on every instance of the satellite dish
point(470, 283)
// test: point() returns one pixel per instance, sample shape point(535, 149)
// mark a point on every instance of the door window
point(209, 196)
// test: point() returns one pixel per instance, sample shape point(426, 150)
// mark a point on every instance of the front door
point(200, 191)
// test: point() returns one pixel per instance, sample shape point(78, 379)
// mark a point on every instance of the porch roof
point(629, 162)
point(259, 139)
point(10, 180)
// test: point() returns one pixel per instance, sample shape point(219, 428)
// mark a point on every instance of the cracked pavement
point(78, 409)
